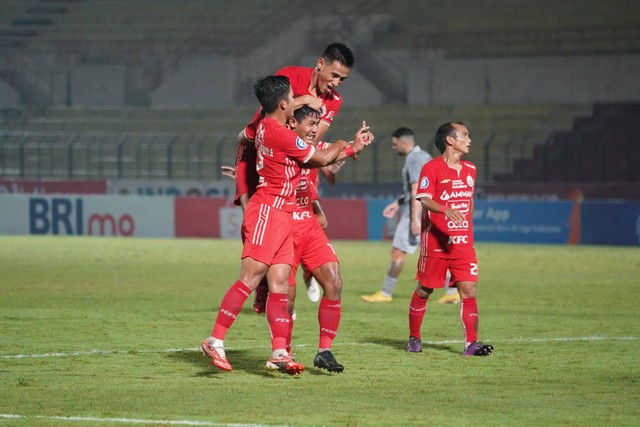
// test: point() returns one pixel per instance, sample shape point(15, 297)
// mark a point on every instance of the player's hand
point(315, 103)
point(334, 168)
point(415, 228)
point(454, 215)
point(390, 210)
point(362, 138)
point(229, 171)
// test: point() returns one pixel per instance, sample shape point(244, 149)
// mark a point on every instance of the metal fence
point(199, 156)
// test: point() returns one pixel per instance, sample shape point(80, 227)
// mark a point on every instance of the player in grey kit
point(407, 234)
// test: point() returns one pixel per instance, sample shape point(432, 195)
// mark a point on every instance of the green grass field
point(99, 331)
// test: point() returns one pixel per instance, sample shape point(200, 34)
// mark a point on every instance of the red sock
point(230, 308)
point(290, 334)
point(279, 320)
point(417, 308)
point(329, 319)
point(469, 318)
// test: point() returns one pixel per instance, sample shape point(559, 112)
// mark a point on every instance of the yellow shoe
point(450, 299)
point(377, 297)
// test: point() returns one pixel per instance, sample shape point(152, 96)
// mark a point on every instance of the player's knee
point(423, 292)
point(333, 287)
point(467, 289)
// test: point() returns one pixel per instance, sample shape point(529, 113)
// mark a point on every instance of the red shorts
point(311, 247)
point(432, 272)
point(267, 234)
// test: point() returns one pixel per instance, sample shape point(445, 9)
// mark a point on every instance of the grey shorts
point(401, 236)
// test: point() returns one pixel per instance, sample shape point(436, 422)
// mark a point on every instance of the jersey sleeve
point(426, 182)
point(294, 146)
point(333, 106)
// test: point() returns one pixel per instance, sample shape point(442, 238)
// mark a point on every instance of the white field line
point(125, 421)
point(352, 344)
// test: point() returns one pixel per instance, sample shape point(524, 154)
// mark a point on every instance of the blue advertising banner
point(611, 223)
point(525, 222)
point(378, 225)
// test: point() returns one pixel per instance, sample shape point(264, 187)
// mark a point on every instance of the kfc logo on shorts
point(424, 183)
point(470, 181)
point(300, 143)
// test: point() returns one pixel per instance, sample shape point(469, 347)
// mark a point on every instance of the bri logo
point(424, 183)
point(67, 216)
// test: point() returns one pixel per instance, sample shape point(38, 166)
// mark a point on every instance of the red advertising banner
point(25, 186)
point(347, 219)
point(198, 216)
point(205, 217)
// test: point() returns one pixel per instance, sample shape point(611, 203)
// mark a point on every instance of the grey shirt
point(413, 163)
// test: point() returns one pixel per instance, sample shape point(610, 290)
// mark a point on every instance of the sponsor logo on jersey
point(303, 186)
point(457, 240)
point(424, 183)
point(470, 181)
point(444, 181)
point(300, 143)
point(467, 194)
point(300, 216)
point(464, 225)
point(458, 183)
point(461, 206)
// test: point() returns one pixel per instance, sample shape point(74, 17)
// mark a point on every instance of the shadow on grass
point(398, 344)
point(244, 361)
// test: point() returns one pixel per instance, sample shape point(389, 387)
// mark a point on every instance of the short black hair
point(303, 112)
point(443, 132)
point(270, 90)
point(338, 52)
point(402, 132)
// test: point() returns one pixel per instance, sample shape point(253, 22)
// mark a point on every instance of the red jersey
point(300, 80)
point(306, 193)
point(307, 190)
point(454, 190)
point(280, 152)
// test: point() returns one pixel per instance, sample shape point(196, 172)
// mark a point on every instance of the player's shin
point(469, 319)
point(230, 307)
point(279, 320)
point(417, 309)
point(329, 313)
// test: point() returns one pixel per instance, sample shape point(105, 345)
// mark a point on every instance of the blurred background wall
point(156, 90)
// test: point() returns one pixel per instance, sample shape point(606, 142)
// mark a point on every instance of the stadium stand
point(601, 148)
point(44, 140)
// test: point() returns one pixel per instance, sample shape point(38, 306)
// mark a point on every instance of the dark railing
point(199, 156)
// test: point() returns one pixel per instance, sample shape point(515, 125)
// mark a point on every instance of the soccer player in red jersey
point(312, 248)
point(315, 87)
point(268, 221)
point(445, 191)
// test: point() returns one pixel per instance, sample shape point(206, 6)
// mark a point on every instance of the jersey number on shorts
point(474, 269)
